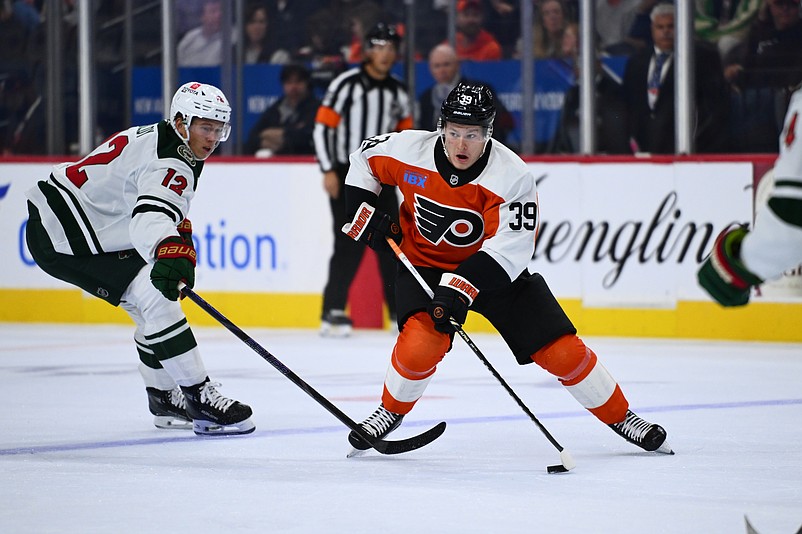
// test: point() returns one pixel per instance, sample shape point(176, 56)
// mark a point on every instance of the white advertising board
point(257, 227)
point(633, 234)
point(612, 234)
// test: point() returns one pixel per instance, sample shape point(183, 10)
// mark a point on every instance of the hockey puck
point(557, 469)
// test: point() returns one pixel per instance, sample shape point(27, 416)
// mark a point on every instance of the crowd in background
point(748, 55)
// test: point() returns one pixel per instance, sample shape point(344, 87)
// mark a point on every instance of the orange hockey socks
point(417, 352)
point(578, 369)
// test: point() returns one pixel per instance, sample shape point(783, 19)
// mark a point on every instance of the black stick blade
point(556, 469)
point(410, 444)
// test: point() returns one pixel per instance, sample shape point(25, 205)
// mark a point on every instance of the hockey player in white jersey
point(115, 224)
point(468, 223)
point(741, 258)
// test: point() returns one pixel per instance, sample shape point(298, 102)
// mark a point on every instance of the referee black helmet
point(382, 33)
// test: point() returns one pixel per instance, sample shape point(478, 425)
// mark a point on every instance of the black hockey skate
point(648, 436)
point(169, 408)
point(215, 415)
point(379, 424)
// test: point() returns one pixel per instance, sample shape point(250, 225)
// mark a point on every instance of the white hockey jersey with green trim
point(128, 193)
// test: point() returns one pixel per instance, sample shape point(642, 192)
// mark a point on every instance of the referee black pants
point(348, 253)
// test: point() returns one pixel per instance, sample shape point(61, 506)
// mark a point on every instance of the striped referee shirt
point(356, 107)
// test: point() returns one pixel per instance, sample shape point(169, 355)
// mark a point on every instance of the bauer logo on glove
point(373, 227)
point(355, 229)
point(177, 251)
point(175, 262)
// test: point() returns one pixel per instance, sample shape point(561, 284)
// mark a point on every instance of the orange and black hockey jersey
point(448, 215)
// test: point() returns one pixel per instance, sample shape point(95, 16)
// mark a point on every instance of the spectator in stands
point(361, 21)
point(762, 77)
point(286, 127)
point(444, 66)
point(22, 116)
point(188, 15)
point(26, 13)
point(19, 23)
point(551, 18)
point(649, 93)
point(614, 19)
point(773, 56)
point(431, 21)
point(611, 134)
point(474, 42)
point(503, 20)
point(725, 23)
point(323, 50)
point(640, 34)
point(288, 22)
point(260, 47)
point(203, 45)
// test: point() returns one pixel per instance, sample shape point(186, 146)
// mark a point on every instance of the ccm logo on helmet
point(457, 227)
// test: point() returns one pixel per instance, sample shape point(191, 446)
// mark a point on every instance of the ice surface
point(79, 453)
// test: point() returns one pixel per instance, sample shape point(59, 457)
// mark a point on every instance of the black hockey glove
point(175, 262)
point(373, 227)
point(452, 298)
point(723, 275)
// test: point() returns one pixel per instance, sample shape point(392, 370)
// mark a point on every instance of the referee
point(361, 102)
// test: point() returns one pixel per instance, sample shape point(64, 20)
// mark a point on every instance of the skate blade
point(207, 428)
point(171, 423)
point(335, 331)
point(665, 448)
point(356, 453)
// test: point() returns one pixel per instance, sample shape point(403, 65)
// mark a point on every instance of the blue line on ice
point(41, 449)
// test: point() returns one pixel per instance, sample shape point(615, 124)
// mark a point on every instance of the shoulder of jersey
point(400, 81)
point(349, 73)
point(416, 135)
point(409, 141)
point(796, 98)
point(169, 145)
point(506, 157)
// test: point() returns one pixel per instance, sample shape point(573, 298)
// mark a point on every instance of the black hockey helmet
point(382, 33)
point(469, 103)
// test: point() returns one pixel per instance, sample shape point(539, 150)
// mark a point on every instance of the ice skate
point(215, 415)
point(169, 408)
point(335, 323)
point(646, 435)
point(379, 424)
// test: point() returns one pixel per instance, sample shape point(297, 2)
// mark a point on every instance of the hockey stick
point(565, 457)
point(384, 447)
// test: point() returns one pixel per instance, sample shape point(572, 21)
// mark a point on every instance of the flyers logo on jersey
point(438, 223)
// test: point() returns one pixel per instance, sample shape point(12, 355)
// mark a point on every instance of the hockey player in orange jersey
point(468, 223)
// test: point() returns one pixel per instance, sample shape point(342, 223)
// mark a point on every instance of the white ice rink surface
point(79, 453)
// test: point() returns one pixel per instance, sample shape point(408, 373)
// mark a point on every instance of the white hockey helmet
point(195, 99)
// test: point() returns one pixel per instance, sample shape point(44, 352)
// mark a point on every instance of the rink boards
point(619, 243)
